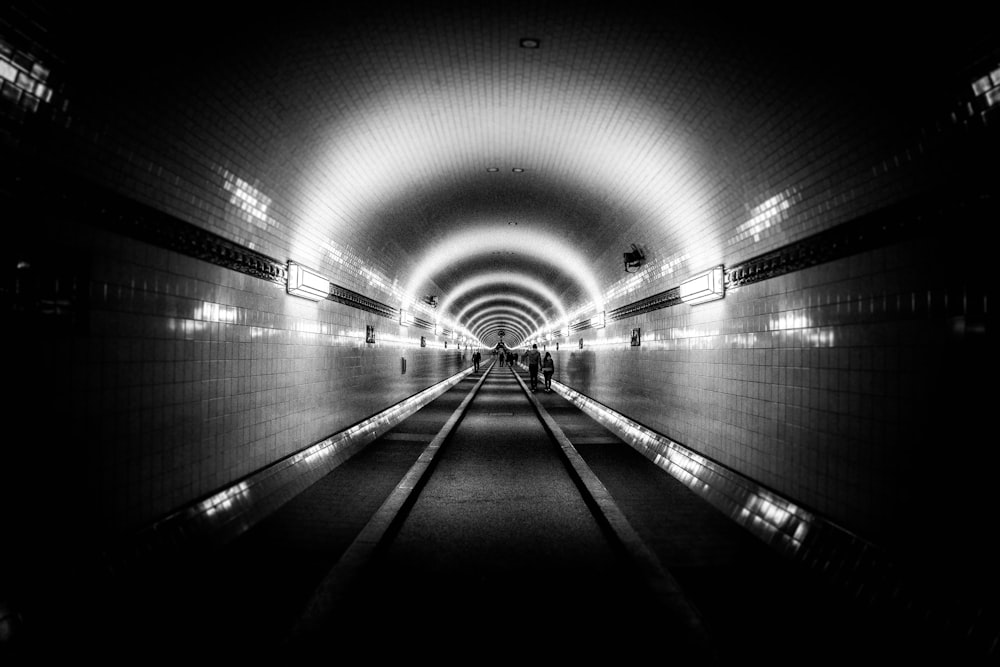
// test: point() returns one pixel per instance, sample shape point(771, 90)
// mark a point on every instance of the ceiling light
point(493, 169)
point(517, 170)
point(530, 43)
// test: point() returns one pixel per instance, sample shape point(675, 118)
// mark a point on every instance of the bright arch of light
point(494, 328)
point(502, 278)
point(497, 326)
point(609, 139)
point(516, 331)
point(517, 321)
point(535, 243)
point(513, 313)
point(516, 298)
point(522, 326)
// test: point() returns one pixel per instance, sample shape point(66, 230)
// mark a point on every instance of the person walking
point(533, 358)
point(548, 368)
point(475, 358)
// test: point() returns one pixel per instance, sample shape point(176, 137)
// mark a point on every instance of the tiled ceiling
point(423, 138)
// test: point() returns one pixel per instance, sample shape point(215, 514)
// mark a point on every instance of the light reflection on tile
point(229, 512)
point(771, 518)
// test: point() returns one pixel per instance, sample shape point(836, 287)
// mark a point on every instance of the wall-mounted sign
point(636, 337)
point(581, 343)
point(369, 334)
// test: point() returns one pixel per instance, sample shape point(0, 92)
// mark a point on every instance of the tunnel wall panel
point(836, 386)
point(181, 377)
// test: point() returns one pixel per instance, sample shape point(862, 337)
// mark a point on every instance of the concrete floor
point(498, 558)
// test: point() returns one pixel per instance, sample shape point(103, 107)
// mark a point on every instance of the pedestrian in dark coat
point(548, 368)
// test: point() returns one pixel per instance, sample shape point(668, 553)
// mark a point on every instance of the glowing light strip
point(764, 513)
point(320, 457)
point(707, 286)
point(225, 500)
point(306, 283)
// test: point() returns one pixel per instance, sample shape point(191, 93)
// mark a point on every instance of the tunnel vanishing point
point(240, 243)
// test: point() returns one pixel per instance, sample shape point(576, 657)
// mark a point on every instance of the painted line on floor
point(657, 579)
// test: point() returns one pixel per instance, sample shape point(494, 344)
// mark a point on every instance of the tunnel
point(245, 243)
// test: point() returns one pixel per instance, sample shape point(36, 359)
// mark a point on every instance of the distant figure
point(533, 357)
point(501, 356)
point(548, 368)
point(475, 358)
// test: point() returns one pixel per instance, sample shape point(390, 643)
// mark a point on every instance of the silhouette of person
point(533, 358)
point(548, 368)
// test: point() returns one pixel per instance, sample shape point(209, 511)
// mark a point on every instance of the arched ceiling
point(425, 140)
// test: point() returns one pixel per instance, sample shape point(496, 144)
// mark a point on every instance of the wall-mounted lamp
point(633, 259)
point(431, 300)
point(707, 286)
point(306, 283)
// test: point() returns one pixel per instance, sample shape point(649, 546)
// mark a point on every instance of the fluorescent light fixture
point(707, 286)
point(405, 318)
point(306, 283)
point(600, 320)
